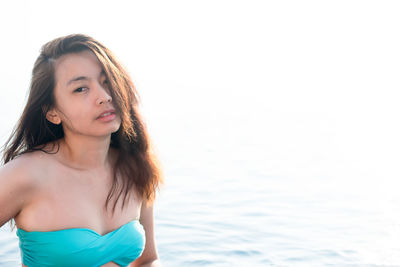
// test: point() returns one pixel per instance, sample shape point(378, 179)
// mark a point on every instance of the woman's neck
point(85, 152)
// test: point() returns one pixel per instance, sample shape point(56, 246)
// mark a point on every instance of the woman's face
point(83, 101)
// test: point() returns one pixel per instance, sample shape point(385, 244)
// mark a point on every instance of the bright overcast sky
point(336, 61)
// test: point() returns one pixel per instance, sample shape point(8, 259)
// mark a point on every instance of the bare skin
point(69, 198)
point(68, 189)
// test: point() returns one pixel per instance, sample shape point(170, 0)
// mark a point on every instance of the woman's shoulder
point(19, 181)
point(27, 164)
point(34, 156)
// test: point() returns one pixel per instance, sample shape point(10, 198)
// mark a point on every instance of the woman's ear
point(52, 116)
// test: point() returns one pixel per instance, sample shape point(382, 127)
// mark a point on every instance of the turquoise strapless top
point(82, 246)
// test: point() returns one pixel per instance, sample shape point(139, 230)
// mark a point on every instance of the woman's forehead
point(73, 65)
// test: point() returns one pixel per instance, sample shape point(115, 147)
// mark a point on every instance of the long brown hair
point(137, 164)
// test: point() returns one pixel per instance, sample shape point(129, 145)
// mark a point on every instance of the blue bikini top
point(82, 246)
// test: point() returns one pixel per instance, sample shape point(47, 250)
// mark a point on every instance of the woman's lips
point(107, 115)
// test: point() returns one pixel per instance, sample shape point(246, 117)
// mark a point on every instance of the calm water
point(238, 198)
point(276, 122)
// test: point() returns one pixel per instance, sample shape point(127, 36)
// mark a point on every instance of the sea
point(260, 187)
point(276, 123)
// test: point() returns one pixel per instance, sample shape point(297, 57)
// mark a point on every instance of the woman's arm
point(149, 257)
point(16, 187)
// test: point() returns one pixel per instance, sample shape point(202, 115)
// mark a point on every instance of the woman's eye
point(80, 89)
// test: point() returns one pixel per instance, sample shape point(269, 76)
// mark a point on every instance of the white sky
point(326, 66)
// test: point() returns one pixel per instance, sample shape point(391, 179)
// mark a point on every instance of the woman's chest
point(68, 199)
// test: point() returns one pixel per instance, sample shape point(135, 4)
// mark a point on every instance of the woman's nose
point(103, 96)
point(104, 100)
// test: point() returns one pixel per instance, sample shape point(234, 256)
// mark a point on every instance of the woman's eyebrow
point(80, 78)
point(77, 79)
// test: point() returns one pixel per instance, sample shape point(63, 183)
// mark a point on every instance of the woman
point(80, 175)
